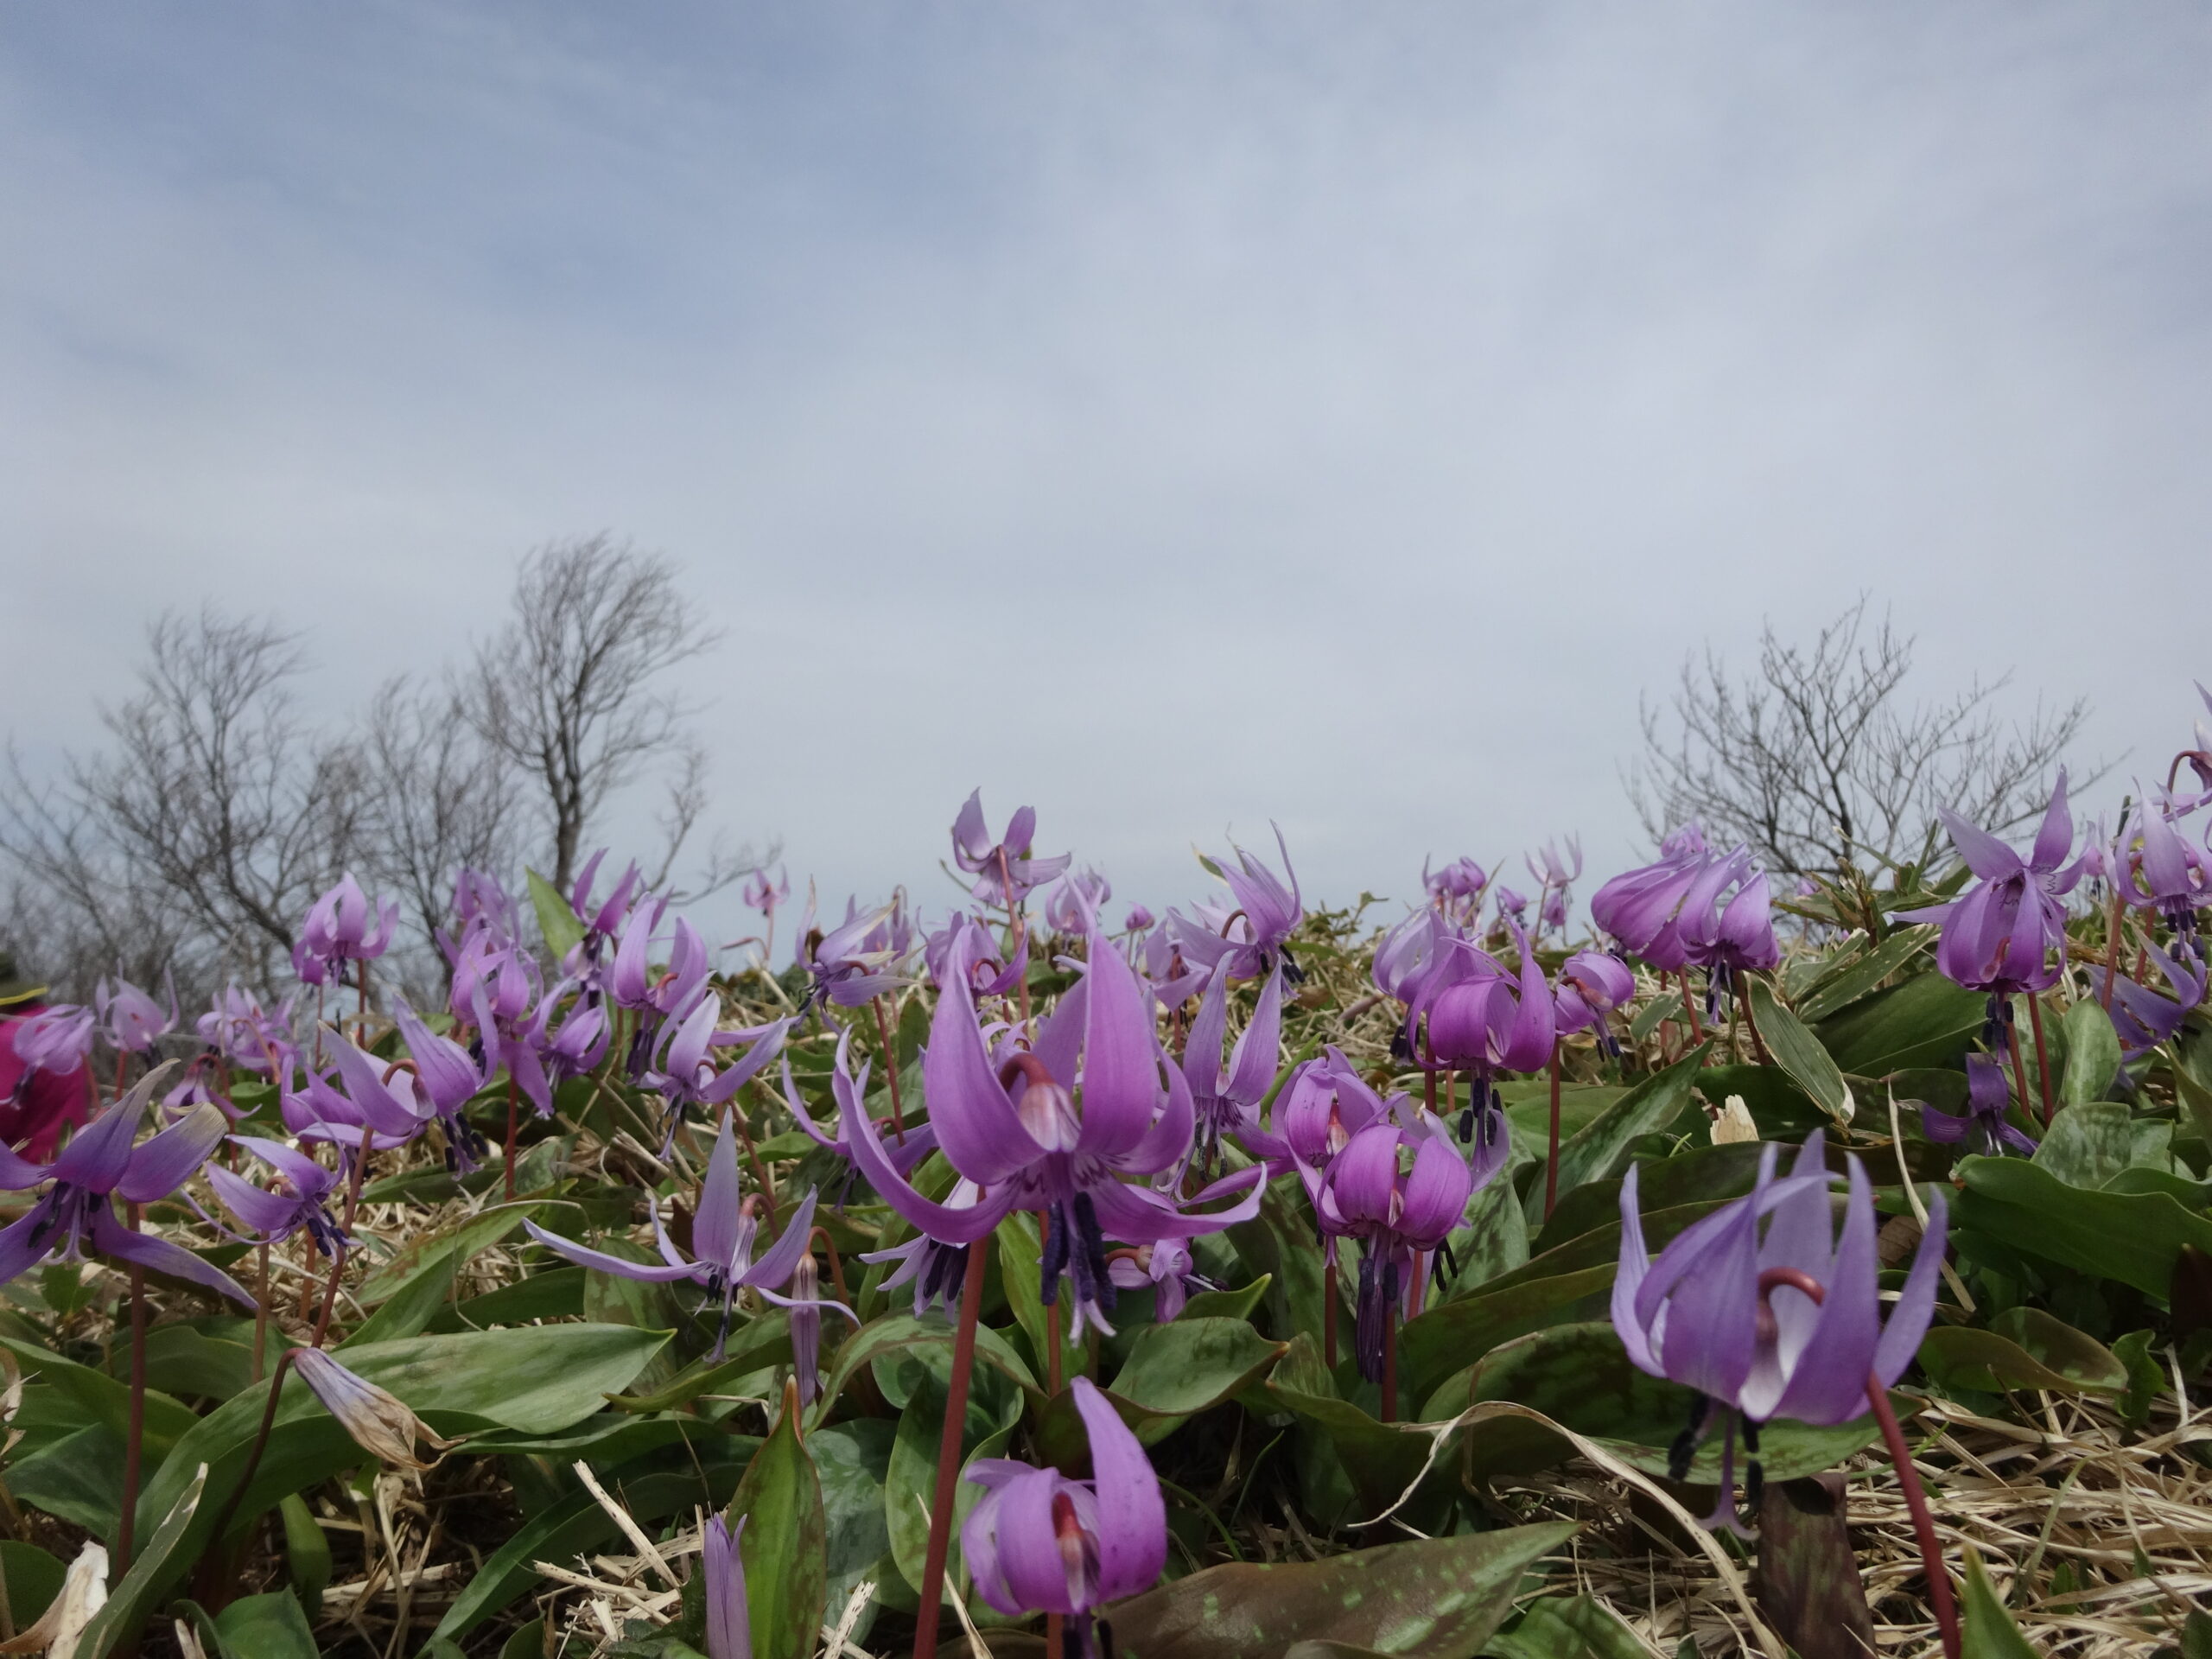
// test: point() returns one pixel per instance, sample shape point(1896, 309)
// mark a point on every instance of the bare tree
point(1819, 758)
point(210, 826)
point(568, 691)
point(436, 799)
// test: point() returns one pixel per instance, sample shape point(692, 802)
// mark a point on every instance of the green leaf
point(897, 1333)
point(780, 1500)
point(307, 1551)
point(1861, 977)
point(1020, 1252)
point(161, 1560)
point(568, 1529)
point(910, 1473)
point(1190, 1365)
point(1446, 1339)
point(1986, 1629)
point(34, 1579)
point(1381, 1459)
point(1601, 1148)
point(1235, 1304)
point(190, 1362)
point(1726, 1171)
point(758, 1343)
point(548, 1293)
point(271, 1626)
point(1567, 1627)
point(102, 1399)
point(468, 1238)
point(2134, 1238)
point(2091, 1145)
point(411, 1305)
point(2092, 1054)
point(851, 1460)
point(1798, 1051)
point(556, 917)
point(78, 1477)
point(1926, 1022)
point(1433, 1599)
point(1279, 1244)
point(2025, 1348)
point(536, 1379)
point(2147, 1378)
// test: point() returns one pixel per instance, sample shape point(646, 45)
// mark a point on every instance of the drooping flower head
point(1165, 1264)
point(729, 1618)
point(296, 1199)
point(339, 927)
point(1006, 870)
point(1984, 1126)
point(1725, 936)
point(1226, 1092)
point(1075, 900)
point(1766, 1311)
point(1055, 1128)
point(1457, 891)
point(1592, 984)
point(130, 1021)
point(76, 1213)
point(1557, 873)
point(2158, 869)
point(56, 1039)
point(1252, 932)
point(1398, 1191)
point(979, 950)
point(2142, 1017)
point(2006, 934)
point(379, 1422)
point(685, 1074)
point(1472, 1016)
point(248, 1037)
point(723, 1234)
point(1638, 908)
point(1040, 1542)
point(862, 958)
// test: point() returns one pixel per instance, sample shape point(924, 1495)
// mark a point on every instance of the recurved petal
point(1121, 1070)
point(1987, 856)
point(1252, 1065)
point(1131, 1517)
point(1826, 1359)
point(2056, 837)
point(598, 1261)
point(1635, 1262)
point(165, 1162)
point(112, 1237)
point(715, 1227)
point(782, 1257)
point(976, 1124)
point(97, 1156)
point(940, 1222)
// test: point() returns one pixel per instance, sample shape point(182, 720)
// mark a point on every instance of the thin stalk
point(261, 1315)
point(2111, 949)
point(2019, 1069)
point(508, 1170)
point(1751, 1023)
point(2042, 1057)
point(1551, 1162)
point(948, 1454)
point(260, 1444)
point(1389, 1359)
point(1329, 1314)
point(890, 1068)
point(1689, 1007)
point(837, 1265)
point(1924, 1524)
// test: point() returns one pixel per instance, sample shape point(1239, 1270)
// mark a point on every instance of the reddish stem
point(837, 1267)
point(2111, 949)
point(890, 1068)
point(1923, 1523)
point(948, 1454)
point(2042, 1057)
point(1389, 1359)
point(134, 1442)
point(1329, 1314)
point(508, 1170)
point(2019, 1067)
point(1752, 1024)
point(1689, 1007)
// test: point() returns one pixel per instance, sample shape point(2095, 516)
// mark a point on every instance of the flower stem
point(2019, 1067)
point(508, 1161)
point(2112, 948)
point(947, 1453)
point(1551, 1162)
point(1751, 1024)
point(1329, 1314)
point(1689, 1007)
point(890, 1068)
point(1924, 1524)
point(1389, 1359)
point(2043, 1056)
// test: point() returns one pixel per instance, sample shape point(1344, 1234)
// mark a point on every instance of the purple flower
point(1394, 1205)
point(57, 1040)
point(1406, 953)
point(373, 1101)
point(729, 1620)
point(1557, 873)
point(1763, 1310)
point(2158, 869)
point(449, 1077)
point(687, 1077)
point(723, 1233)
point(1592, 984)
point(1255, 931)
point(601, 919)
point(2142, 1017)
point(1166, 1266)
point(1514, 904)
point(859, 960)
point(76, 1213)
point(766, 896)
point(379, 1422)
point(1073, 901)
point(934, 1269)
point(245, 1034)
point(1137, 920)
point(1040, 1542)
point(920, 1138)
point(129, 1019)
point(1987, 1096)
point(1469, 1018)
point(1638, 906)
point(979, 947)
point(580, 1043)
point(338, 929)
point(1324, 1103)
point(478, 897)
point(299, 1198)
point(1004, 870)
point(1013, 1124)
point(634, 985)
point(1457, 890)
point(1174, 980)
point(1999, 938)
point(1226, 1094)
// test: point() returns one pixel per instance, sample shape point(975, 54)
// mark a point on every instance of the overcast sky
point(1177, 415)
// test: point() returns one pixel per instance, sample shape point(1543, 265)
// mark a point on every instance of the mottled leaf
point(783, 1547)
